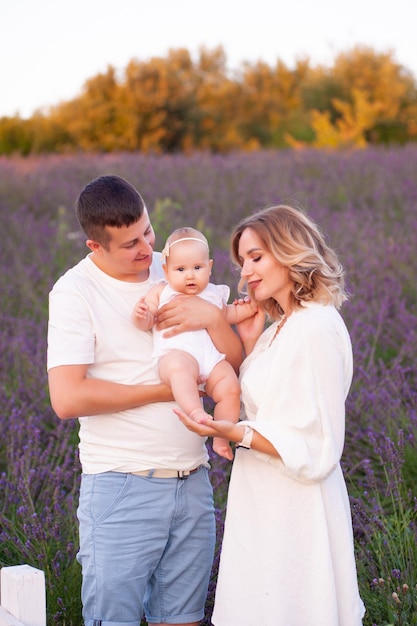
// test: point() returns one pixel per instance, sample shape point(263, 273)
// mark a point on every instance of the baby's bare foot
point(222, 448)
point(199, 416)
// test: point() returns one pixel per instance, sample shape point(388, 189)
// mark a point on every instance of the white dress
point(287, 555)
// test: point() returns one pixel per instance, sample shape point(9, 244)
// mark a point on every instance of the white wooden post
point(23, 596)
point(8, 620)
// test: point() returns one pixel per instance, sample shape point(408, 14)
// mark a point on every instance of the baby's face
point(188, 267)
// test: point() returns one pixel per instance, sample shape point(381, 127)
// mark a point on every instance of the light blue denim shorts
point(146, 548)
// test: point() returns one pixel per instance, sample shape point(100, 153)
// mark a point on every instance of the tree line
point(181, 104)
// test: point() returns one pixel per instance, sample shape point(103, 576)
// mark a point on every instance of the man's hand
point(188, 313)
point(185, 313)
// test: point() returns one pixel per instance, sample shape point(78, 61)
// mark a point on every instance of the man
point(146, 520)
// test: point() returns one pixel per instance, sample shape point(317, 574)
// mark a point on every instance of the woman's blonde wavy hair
point(297, 243)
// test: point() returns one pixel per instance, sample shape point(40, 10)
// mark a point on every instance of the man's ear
point(93, 245)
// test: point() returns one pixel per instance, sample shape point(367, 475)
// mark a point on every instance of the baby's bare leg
point(223, 386)
point(180, 370)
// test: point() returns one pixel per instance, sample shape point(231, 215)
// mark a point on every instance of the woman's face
point(265, 276)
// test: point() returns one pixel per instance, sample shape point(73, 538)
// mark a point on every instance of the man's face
point(128, 254)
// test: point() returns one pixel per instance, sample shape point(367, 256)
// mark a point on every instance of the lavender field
point(365, 201)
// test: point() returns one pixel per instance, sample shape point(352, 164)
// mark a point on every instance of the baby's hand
point(141, 308)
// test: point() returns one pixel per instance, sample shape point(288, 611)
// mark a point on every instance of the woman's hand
point(206, 427)
point(240, 309)
point(250, 329)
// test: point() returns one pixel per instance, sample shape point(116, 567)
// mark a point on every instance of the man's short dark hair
point(107, 201)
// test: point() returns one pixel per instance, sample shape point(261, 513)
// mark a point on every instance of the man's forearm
point(93, 397)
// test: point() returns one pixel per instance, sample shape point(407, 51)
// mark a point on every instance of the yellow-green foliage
point(181, 104)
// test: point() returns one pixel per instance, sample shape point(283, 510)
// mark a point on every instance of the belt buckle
point(183, 474)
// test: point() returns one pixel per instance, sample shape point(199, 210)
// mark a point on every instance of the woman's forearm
point(226, 340)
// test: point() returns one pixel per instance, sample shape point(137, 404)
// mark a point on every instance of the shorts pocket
point(100, 494)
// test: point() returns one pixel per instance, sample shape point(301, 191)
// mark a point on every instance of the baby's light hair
point(183, 234)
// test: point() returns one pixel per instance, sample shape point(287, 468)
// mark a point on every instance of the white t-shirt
point(90, 323)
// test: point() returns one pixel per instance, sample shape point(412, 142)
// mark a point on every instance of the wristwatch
point(246, 439)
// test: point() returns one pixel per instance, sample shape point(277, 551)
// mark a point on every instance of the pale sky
point(49, 48)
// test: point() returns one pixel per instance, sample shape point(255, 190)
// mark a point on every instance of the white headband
point(165, 251)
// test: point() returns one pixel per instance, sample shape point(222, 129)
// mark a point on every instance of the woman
point(287, 556)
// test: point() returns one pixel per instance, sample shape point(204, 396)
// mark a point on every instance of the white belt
point(166, 473)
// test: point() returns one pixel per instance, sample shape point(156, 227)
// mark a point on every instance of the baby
point(190, 357)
